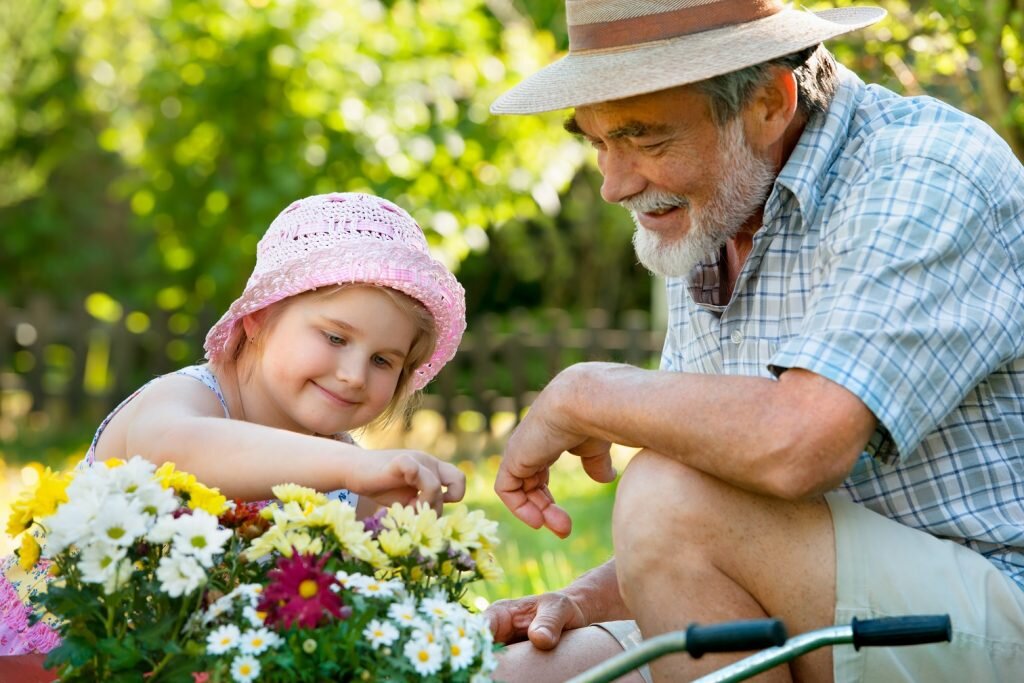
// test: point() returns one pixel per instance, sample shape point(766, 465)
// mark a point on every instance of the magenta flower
point(299, 593)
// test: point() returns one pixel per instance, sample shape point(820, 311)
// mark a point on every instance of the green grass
point(536, 561)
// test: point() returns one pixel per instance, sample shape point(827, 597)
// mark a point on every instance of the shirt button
point(736, 337)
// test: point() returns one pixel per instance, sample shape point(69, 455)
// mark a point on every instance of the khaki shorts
point(884, 569)
point(628, 635)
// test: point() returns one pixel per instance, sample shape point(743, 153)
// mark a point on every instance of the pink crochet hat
point(342, 238)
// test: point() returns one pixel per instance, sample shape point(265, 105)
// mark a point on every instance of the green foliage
point(160, 137)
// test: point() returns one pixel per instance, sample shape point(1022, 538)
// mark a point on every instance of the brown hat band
point(679, 22)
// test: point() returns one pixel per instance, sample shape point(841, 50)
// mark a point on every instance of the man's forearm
point(790, 437)
point(597, 595)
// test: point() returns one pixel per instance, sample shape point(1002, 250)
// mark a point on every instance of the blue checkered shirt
point(891, 261)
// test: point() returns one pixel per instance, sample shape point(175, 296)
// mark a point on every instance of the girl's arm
point(178, 420)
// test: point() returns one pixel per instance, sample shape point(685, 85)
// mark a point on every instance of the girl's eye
point(334, 339)
point(381, 361)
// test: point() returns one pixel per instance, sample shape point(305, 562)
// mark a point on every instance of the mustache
point(653, 201)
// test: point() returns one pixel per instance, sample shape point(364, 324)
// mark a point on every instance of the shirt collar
point(821, 142)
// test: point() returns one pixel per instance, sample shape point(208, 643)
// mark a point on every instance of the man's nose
point(621, 178)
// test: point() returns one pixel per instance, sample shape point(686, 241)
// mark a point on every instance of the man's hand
point(548, 430)
point(541, 618)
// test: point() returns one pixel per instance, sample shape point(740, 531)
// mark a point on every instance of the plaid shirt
point(891, 261)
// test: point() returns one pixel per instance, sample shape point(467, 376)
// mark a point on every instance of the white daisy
point(251, 615)
point(257, 640)
point(426, 657)
point(199, 536)
point(436, 608)
point(163, 530)
point(404, 613)
point(371, 587)
point(120, 521)
point(380, 633)
point(222, 639)
point(461, 652)
point(155, 500)
point(132, 475)
point(245, 669)
point(179, 574)
point(106, 564)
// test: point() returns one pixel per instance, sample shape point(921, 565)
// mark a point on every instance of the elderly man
point(837, 427)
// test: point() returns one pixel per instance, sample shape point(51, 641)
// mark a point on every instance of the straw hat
point(622, 48)
point(342, 238)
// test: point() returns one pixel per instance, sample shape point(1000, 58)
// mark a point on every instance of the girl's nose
point(352, 370)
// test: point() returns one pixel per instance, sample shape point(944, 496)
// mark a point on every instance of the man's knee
point(662, 509)
point(658, 495)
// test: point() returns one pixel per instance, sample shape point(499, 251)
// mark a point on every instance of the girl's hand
point(406, 477)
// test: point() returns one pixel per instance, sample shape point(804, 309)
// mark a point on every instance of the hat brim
point(583, 78)
point(406, 270)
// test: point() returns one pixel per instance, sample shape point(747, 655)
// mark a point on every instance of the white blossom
point(179, 574)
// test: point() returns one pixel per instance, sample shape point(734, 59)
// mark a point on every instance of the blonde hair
point(242, 350)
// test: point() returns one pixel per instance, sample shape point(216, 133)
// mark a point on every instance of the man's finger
point(557, 520)
point(600, 468)
point(546, 628)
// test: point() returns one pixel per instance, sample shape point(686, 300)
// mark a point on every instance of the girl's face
point(329, 363)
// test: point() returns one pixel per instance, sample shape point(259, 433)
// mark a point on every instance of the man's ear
point(771, 110)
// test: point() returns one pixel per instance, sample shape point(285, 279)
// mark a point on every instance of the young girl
point(344, 317)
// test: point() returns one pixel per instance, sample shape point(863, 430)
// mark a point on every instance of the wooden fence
point(60, 368)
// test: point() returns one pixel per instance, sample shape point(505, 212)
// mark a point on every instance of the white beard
point(743, 190)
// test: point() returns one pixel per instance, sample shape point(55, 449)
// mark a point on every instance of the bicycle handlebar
point(761, 633)
point(893, 631)
point(735, 636)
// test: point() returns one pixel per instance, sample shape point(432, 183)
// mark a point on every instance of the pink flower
point(300, 593)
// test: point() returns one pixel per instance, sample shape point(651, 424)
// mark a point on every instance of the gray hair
point(816, 82)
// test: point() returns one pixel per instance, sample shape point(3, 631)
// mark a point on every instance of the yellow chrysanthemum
point(301, 542)
point(488, 567)
point(395, 543)
point(202, 497)
point(170, 478)
point(466, 530)
point(40, 501)
point(113, 463)
point(265, 544)
point(303, 495)
point(28, 553)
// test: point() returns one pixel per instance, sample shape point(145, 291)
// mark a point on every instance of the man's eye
point(652, 146)
point(596, 144)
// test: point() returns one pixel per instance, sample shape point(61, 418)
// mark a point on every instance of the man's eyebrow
point(637, 129)
point(572, 126)
point(630, 129)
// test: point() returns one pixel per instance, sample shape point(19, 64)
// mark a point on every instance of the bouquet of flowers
point(160, 578)
point(129, 548)
point(376, 600)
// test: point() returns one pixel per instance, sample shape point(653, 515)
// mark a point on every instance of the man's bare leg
point(577, 651)
point(691, 548)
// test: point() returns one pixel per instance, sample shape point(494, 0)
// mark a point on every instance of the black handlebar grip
point(892, 631)
point(735, 636)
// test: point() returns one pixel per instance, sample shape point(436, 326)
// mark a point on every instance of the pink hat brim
point(387, 265)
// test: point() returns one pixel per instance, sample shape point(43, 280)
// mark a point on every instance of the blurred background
point(145, 145)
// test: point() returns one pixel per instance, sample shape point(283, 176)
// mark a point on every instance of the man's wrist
point(595, 595)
